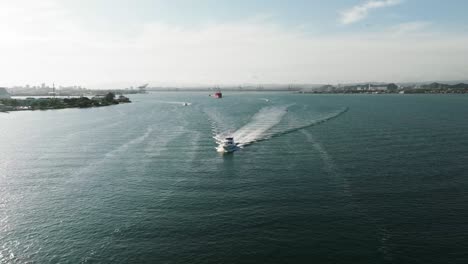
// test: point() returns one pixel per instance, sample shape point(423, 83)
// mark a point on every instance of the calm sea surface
point(320, 179)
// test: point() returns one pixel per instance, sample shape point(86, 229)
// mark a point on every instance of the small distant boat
point(227, 146)
point(185, 104)
point(218, 95)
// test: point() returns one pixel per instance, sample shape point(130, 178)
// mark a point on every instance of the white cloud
point(58, 48)
point(360, 12)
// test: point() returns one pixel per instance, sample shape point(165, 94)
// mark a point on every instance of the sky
point(118, 43)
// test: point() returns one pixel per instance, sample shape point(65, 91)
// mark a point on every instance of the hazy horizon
point(104, 44)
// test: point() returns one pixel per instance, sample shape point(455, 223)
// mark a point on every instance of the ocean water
point(318, 179)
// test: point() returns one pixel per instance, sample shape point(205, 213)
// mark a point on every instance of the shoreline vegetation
point(12, 104)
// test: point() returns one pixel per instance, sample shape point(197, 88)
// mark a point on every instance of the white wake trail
point(256, 129)
point(173, 102)
point(267, 123)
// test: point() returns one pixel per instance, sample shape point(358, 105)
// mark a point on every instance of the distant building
point(379, 88)
point(4, 94)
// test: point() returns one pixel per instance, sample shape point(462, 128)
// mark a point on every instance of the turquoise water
point(319, 179)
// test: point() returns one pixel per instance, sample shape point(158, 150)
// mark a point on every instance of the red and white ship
point(218, 95)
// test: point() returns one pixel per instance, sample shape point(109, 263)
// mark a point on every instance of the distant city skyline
point(123, 43)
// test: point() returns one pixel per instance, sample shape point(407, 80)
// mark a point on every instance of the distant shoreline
point(366, 88)
point(52, 103)
point(358, 88)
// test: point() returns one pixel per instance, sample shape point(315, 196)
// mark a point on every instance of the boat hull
point(224, 149)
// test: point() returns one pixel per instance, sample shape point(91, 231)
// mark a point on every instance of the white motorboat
point(227, 146)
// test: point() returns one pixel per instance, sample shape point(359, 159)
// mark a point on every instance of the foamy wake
point(265, 125)
point(257, 129)
point(173, 102)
